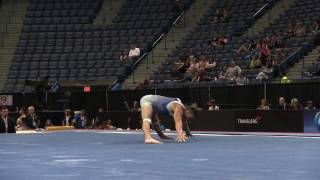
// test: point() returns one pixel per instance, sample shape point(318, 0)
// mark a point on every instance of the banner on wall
point(269, 121)
point(6, 100)
point(311, 121)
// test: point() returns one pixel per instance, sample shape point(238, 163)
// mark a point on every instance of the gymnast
point(152, 106)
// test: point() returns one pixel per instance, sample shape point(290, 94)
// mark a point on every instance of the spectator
point(300, 30)
point(67, 119)
point(192, 72)
point(135, 107)
point(32, 120)
point(48, 123)
point(232, 71)
point(282, 105)
point(100, 118)
point(246, 47)
point(215, 20)
point(264, 105)
point(295, 104)
point(124, 57)
point(212, 105)
point(7, 124)
point(290, 31)
point(81, 121)
point(265, 73)
point(276, 40)
point(265, 53)
point(223, 40)
point(279, 57)
point(310, 105)
point(255, 63)
point(241, 79)
point(316, 27)
point(225, 16)
point(108, 125)
point(134, 53)
point(21, 120)
point(191, 54)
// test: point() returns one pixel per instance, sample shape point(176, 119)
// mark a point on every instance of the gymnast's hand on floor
point(181, 138)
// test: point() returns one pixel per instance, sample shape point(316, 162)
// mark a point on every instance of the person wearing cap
point(153, 106)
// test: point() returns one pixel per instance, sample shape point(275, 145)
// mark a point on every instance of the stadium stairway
point(108, 11)
point(297, 70)
point(175, 35)
point(270, 17)
point(12, 13)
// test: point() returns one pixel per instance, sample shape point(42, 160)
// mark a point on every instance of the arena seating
point(59, 39)
point(303, 11)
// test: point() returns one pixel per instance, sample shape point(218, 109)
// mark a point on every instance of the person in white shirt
point(134, 52)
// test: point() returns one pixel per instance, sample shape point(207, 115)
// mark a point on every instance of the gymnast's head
point(190, 113)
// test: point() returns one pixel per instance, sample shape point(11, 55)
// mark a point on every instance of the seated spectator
point(203, 76)
point(246, 47)
point(264, 105)
point(232, 71)
point(191, 55)
point(100, 117)
point(265, 73)
point(315, 27)
point(282, 105)
point(265, 54)
point(295, 104)
point(279, 57)
point(21, 119)
point(67, 119)
point(202, 65)
point(225, 16)
point(134, 53)
point(241, 79)
point(81, 120)
point(32, 121)
point(276, 41)
point(255, 63)
point(124, 57)
point(212, 105)
point(215, 20)
point(223, 40)
point(48, 123)
point(290, 31)
point(192, 72)
point(300, 30)
point(309, 105)
point(7, 124)
point(107, 125)
point(215, 42)
point(135, 107)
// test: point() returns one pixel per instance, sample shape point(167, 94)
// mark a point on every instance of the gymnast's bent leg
point(146, 114)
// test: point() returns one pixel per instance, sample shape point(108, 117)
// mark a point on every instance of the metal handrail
point(284, 63)
point(162, 36)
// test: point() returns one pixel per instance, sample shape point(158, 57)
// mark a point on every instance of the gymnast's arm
point(156, 127)
point(187, 129)
point(178, 118)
